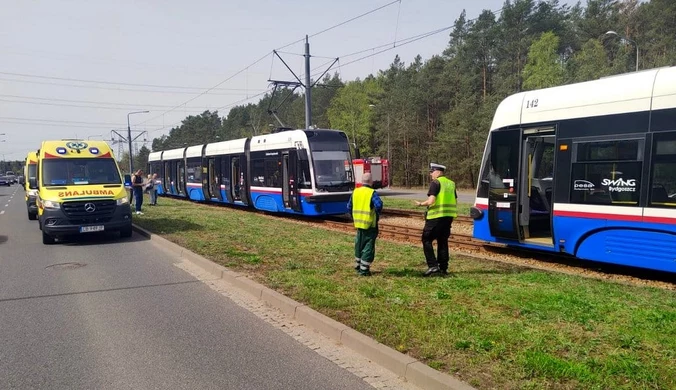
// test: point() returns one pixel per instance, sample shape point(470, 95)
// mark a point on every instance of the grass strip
point(492, 325)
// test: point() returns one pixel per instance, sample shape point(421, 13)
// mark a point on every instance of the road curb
point(414, 371)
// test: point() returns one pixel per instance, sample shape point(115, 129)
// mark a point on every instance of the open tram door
point(290, 193)
point(213, 177)
point(521, 183)
point(503, 194)
point(537, 179)
point(238, 191)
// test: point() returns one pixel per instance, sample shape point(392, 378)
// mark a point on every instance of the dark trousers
point(437, 229)
point(138, 198)
point(365, 247)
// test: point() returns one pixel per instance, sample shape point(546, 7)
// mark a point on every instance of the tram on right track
point(586, 169)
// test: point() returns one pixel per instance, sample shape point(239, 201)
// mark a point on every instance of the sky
point(76, 69)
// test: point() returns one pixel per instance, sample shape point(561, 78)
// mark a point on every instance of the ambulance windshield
point(79, 171)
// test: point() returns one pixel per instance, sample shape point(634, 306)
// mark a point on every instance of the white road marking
point(2, 212)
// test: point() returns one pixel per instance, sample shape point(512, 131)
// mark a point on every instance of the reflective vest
point(445, 204)
point(363, 216)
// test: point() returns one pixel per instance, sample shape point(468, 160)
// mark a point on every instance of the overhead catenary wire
point(63, 121)
point(111, 82)
point(265, 56)
point(114, 88)
point(342, 23)
point(396, 44)
point(87, 104)
point(164, 127)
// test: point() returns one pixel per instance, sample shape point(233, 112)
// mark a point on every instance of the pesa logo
point(582, 185)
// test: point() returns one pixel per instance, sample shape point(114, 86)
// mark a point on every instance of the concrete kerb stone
point(285, 304)
point(379, 353)
point(414, 371)
point(428, 378)
point(321, 323)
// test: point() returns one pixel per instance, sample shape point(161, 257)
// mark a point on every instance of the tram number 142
point(531, 103)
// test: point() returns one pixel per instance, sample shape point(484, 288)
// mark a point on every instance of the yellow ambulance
point(80, 190)
point(29, 171)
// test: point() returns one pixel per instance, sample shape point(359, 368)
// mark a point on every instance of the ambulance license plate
point(89, 229)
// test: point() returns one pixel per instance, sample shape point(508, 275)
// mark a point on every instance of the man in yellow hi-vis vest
point(441, 209)
point(365, 206)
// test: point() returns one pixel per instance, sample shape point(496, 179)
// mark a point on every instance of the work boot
point(432, 271)
point(364, 272)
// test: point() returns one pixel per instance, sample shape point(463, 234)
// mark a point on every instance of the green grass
point(409, 204)
point(492, 325)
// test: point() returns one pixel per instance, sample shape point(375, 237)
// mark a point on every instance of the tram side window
point(485, 171)
point(607, 173)
point(663, 191)
point(258, 172)
point(194, 169)
point(304, 174)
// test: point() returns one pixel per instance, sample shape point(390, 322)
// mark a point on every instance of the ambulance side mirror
point(127, 180)
point(33, 183)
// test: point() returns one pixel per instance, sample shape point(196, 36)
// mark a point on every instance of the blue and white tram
point(305, 172)
point(587, 169)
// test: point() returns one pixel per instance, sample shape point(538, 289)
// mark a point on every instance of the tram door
point(290, 193)
point(503, 196)
point(238, 179)
point(180, 178)
point(166, 179)
point(213, 176)
point(536, 182)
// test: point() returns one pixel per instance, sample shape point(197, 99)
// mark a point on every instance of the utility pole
point(131, 153)
point(308, 86)
point(298, 83)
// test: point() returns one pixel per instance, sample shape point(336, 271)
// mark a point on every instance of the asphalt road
point(108, 313)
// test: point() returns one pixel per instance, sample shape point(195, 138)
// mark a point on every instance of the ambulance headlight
point(122, 201)
point(32, 192)
point(51, 204)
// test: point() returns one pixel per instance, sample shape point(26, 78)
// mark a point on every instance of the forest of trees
point(441, 109)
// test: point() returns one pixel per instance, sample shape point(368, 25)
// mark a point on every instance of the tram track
point(415, 214)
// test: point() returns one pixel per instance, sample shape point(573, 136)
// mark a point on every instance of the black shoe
point(443, 271)
point(364, 272)
point(432, 271)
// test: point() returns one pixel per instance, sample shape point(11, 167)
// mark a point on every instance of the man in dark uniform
point(441, 209)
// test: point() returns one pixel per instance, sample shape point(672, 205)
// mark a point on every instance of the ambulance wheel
point(32, 216)
point(126, 232)
point(47, 239)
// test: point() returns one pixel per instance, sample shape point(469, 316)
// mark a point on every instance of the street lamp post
point(611, 32)
point(131, 156)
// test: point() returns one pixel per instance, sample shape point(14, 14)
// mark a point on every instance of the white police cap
point(437, 167)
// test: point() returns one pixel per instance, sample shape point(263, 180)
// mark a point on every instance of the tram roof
point(647, 90)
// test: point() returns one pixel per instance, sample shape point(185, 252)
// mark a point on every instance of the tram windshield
point(331, 161)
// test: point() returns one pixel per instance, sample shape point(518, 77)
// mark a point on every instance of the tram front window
point(330, 172)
